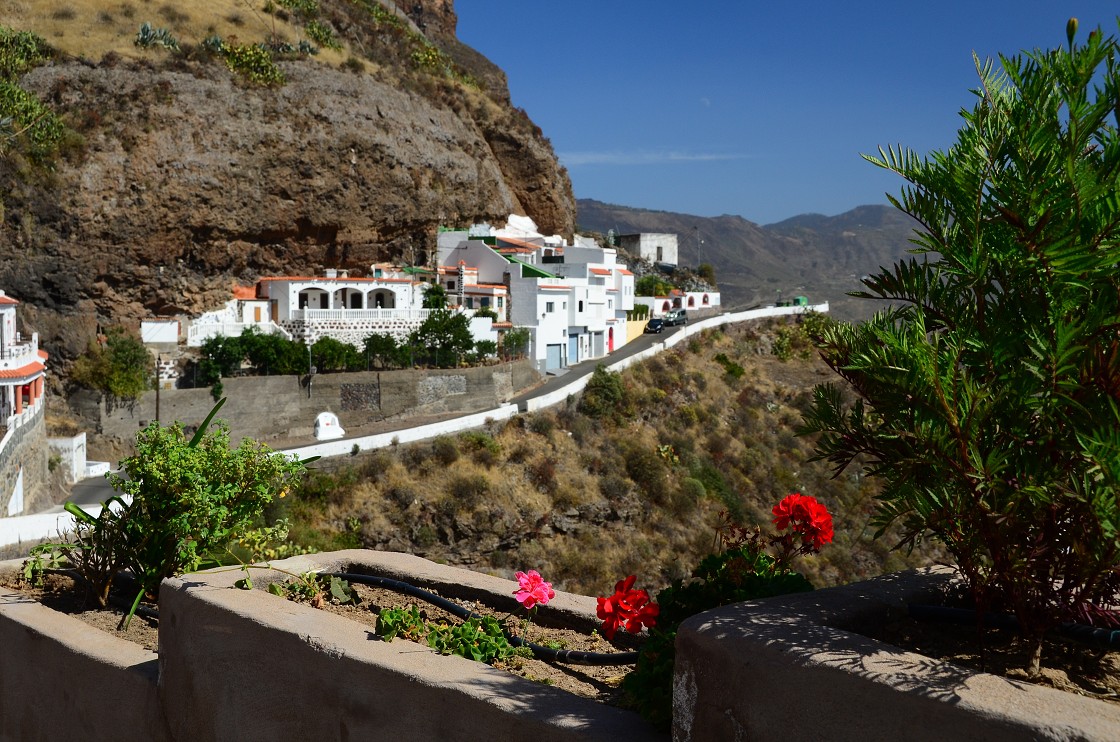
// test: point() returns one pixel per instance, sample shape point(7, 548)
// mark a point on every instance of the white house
point(573, 299)
point(337, 305)
point(22, 386)
point(654, 247)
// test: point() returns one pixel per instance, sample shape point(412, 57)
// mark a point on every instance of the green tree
point(652, 285)
point(383, 351)
point(122, 369)
point(515, 342)
point(989, 391)
point(335, 355)
point(435, 296)
point(222, 356)
point(707, 272)
point(444, 338)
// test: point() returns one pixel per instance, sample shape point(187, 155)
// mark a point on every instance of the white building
point(22, 403)
point(573, 299)
point(336, 305)
point(652, 246)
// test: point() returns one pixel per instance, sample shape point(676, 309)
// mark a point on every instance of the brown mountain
point(177, 174)
point(819, 256)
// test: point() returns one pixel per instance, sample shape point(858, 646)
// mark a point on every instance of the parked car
point(655, 325)
point(676, 317)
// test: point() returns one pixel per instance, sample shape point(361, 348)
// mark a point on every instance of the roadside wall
point(280, 407)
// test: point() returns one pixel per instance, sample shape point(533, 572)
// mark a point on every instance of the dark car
point(655, 325)
point(676, 317)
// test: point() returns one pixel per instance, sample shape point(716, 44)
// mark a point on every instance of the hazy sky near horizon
point(751, 107)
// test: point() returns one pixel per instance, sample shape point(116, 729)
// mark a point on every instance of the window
point(550, 306)
point(499, 302)
point(581, 305)
point(470, 302)
point(484, 302)
point(451, 285)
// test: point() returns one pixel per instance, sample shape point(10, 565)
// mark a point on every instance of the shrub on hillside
point(990, 389)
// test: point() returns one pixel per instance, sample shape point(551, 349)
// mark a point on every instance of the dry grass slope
point(588, 500)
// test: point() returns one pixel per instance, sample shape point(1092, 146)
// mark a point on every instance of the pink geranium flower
point(532, 589)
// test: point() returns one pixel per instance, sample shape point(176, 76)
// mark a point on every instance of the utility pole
point(159, 358)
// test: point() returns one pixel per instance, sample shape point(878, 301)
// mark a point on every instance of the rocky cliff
point(177, 176)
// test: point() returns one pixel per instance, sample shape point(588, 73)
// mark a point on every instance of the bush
point(989, 391)
point(254, 63)
point(605, 395)
point(121, 370)
point(188, 497)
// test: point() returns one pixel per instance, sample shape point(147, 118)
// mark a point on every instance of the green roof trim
point(530, 271)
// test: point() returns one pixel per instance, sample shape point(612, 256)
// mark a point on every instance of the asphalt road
point(637, 345)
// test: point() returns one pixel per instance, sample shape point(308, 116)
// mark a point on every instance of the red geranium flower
point(628, 608)
point(806, 517)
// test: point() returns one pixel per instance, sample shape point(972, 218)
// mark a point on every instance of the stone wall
point(272, 408)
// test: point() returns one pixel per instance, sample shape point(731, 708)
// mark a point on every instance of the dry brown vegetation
point(588, 500)
point(93, 28)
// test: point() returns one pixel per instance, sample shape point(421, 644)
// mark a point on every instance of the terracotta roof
point(23, 371)
point(601, 271)
point(625, 272)
point(245, 292)
point(43, 354)
point(501, 324)
point(8, 300)
point(487, 285)
point(553, 286)
point(519, 243)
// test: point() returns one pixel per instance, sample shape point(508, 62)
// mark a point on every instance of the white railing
point(197, 334)
point(359, 315)
point(19, 351)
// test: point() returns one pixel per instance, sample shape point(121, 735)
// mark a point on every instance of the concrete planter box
point(247, 665)
point(781, 669)
point(63, 679)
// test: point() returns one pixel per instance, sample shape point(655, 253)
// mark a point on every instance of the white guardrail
point(32, 528)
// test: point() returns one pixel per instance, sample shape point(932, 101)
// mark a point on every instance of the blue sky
point(752, 107)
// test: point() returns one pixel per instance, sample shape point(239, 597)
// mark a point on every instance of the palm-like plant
point(989, 390)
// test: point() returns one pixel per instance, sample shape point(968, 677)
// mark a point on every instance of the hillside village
point(576, 300)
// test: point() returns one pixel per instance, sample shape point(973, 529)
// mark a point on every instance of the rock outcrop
point(178, 177)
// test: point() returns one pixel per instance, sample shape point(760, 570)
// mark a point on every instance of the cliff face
point(178, 177)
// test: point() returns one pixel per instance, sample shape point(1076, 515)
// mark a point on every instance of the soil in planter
point(1067, 666)
point(594, 682)
point(64, 594)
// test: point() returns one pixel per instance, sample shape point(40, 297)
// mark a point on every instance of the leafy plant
point(322, 34)
point(19, 52)
point(989, 393)
point(181, 500)
point(254, 63)
point(148, 37)
point(479, 639)
point(742, 570)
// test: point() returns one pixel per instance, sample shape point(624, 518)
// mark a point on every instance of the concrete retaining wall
point(278, 407)
point(246, 665)
point(753, 670)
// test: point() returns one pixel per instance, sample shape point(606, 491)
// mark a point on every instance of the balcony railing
point(19, 352)
point(359, 315)
point(199, 333)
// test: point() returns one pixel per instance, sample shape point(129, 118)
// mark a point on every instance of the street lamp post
point(310, 371)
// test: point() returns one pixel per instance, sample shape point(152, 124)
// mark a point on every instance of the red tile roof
point(324, 279)
point(601, 271)
point(22, 372)
point(7, 300)
point(520, 243)
point(245, 292)
point(625, 272)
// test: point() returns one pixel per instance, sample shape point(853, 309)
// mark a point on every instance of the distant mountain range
point(819, 256)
